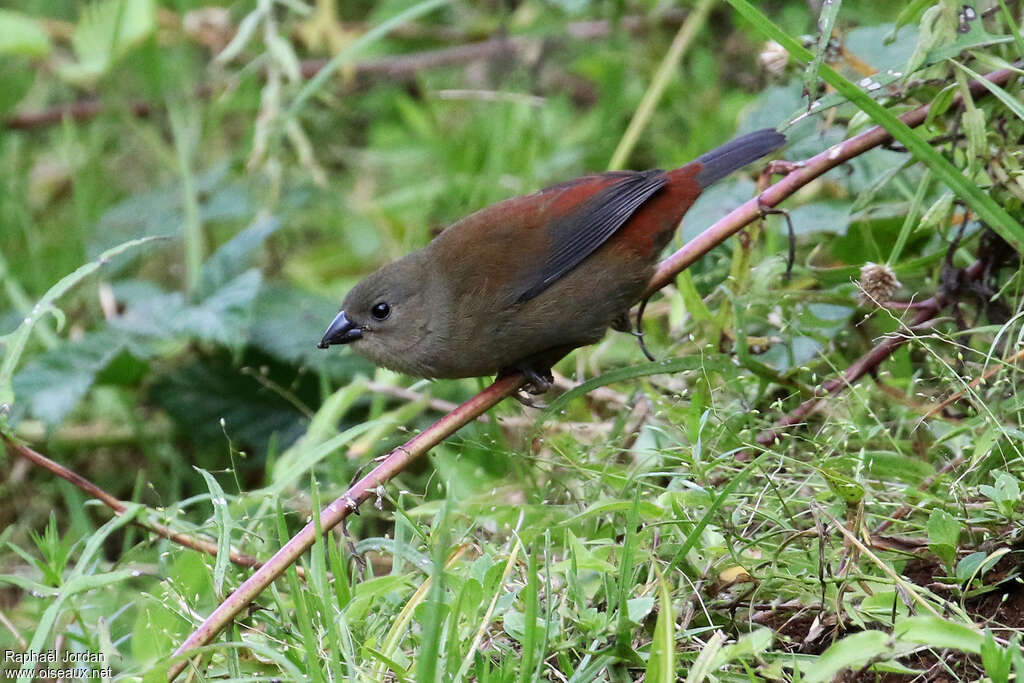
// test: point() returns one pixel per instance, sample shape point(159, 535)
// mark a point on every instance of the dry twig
point(205, 545)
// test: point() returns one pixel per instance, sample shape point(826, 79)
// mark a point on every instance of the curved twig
point(205, 545)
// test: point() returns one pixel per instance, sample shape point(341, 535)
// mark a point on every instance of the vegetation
point(819, 478)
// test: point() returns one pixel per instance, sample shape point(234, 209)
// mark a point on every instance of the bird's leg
point(766, 210)
point(640, 329)
point(537, 383)
point(622, 323)
point(777, 167)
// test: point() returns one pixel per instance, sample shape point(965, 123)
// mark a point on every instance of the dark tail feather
point(736, 154)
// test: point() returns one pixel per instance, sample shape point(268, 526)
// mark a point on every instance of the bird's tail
point(736, 154)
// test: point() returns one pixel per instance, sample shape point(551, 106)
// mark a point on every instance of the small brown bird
point(519, 284)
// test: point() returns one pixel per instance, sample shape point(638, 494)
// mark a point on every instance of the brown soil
point(1001, 608)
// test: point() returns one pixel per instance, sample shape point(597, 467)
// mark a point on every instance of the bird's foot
point(780, 167)
point(525, 400)
point(537, 383)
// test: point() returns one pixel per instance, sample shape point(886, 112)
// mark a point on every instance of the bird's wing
point(590, 222)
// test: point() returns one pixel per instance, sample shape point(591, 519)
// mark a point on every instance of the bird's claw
point(525, 400)
point(781, 167)
point(537, 383)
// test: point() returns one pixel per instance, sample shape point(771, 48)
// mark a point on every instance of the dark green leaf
point(159, 212)
point(199, 395)
point(234, 256)
point(224, 317)
point(53, 383)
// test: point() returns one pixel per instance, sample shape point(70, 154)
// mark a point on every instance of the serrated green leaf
point(53, 383)
point(222, 318)
point(159, 212)
point(197, 396)
point(287, 324)
point(234, 256)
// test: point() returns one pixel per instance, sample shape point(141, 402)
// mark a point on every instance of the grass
point(635, 528)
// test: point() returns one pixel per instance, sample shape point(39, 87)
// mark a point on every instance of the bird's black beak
point(340, 331)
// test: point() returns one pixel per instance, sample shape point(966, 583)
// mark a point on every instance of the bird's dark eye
point(380, 311)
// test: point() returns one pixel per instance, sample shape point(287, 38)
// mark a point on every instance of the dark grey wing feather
point(579, 234)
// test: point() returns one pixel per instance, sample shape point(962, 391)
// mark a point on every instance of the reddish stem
point(195, 542)
point(341, 508)
point(869, 362)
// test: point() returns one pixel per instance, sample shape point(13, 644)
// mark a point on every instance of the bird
point(517, 285)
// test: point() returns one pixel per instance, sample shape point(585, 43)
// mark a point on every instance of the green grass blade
point(661, 667)
point(224, 524)
point(353, 49)
point(1011, 102)
point(14, 343)
point(716, 504)
point(661, 367)
point(826, 22)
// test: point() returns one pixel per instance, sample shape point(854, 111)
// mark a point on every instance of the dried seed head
point(773, 58)
point(877, 284)
point(209, 26)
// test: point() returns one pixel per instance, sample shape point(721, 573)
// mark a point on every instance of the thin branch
point(975, 383)
point(869, 362)
point(6, 623)
point(204, 545)
point(398, 459)
point(341, 508)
